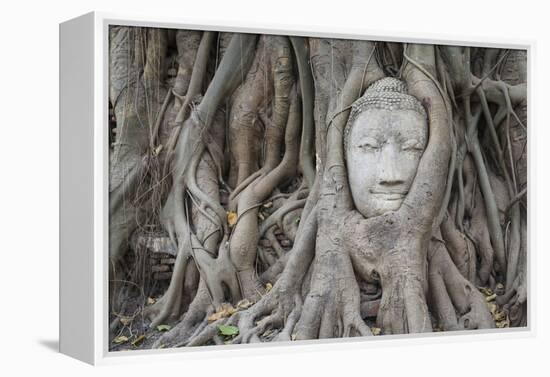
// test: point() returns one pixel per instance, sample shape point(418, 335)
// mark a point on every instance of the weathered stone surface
point(384, 140)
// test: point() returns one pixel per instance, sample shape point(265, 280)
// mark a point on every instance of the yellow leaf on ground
point(375, 330)
point(231, 218)
point(268, 287)
point(138, 340)
point(244, 304)
point(125, 320)
point(491, 297)
point(150, 301)
point(120, 339)
point(158, 149)
point(486, 291)
point(503, 324)
point(225, 310)
point(163, 327)
point(214, 317)
point(500, 315)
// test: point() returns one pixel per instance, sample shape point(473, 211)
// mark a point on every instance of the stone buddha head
point(384, 138)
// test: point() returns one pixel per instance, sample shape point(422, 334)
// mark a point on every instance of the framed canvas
point(229, 188)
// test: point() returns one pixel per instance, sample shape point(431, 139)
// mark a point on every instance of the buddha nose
point(389, 170)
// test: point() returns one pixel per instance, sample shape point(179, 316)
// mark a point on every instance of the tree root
point(457, 304)
point(332, 306)
point(168, 307)
point(198, 311)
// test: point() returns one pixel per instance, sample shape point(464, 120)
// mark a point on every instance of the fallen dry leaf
point(244, 304)
point(491, 297)
point(158, 149)
point(120, 339)
point(503, 324)
point(231, 218)
point(125, 320)
point(486, 291)
point(268, 287)
point(500, 316)
point(225, 310)
point(138, 340)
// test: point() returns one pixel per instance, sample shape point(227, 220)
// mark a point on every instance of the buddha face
point(383, 152)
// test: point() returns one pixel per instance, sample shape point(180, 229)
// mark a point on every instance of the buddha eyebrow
point(375, 132)
point(365, 139)
point(368, 139)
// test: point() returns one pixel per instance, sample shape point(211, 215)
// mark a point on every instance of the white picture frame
point(84, 190)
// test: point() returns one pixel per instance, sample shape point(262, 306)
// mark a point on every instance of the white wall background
point(29, 184)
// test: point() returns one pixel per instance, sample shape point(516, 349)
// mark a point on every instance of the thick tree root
point(168, 308)
point(199, 310)
point(457, 304)
point(332, 306)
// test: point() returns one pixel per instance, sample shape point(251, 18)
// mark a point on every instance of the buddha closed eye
point(385, 137)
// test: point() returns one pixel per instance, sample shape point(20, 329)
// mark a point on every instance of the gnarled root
point(332, 306)
point(514, 300)
point(278, 310)
point(461, 248)
point(199, 309)
point(456, 302)
point(282, 306)
point(403, 307)
point(168, 307)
